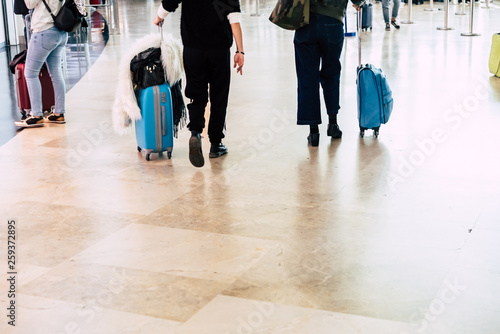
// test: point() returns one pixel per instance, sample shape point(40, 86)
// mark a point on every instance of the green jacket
point(333, 8)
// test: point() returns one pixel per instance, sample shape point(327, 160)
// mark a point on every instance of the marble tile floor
point(395, 235)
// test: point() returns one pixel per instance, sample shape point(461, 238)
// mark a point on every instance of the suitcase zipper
point(163, 113)
point(163, 122)
point(158, 126)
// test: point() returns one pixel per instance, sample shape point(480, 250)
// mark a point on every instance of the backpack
point(69, 17)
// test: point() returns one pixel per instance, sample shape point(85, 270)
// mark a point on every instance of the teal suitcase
point(375, 101)
point(155, 130)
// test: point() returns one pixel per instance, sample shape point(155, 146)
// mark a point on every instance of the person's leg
point(39, 49)
point(385, 12)
point(195, 67)
point(35, 58)
point(307, 61)
point(332, 41)
point(395, 11)
point(54, 61)
point(219, 79)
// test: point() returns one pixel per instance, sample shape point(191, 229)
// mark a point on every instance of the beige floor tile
point(61, 231)
point(349, 274)
point(38, 315)
point(234, 315)
point(178, 252)
point(465, 303)
point(149, 293)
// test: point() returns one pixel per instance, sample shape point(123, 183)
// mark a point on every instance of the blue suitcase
point(367, 16)
point(375, 100)
point(155, 130)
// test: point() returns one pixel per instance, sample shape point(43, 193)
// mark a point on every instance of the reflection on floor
point(395, 235)
point(83, 49)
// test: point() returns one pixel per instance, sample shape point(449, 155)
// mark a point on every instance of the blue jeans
point(318, 43)
point(395, 9)
point(47, 45)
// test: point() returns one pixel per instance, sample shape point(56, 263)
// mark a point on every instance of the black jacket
point(204, 23)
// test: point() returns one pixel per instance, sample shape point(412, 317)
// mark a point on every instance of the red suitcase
point(23, 99)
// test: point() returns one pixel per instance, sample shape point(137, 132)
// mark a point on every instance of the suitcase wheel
point(148, 156)
point(169, 155)
point(139, 149)
point(376, 132)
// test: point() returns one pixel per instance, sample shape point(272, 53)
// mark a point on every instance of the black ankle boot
point(313, 139)
point(217, 150)
point(334, 131)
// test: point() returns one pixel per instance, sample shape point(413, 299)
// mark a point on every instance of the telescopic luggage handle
point(360, 24)
point(160, 30)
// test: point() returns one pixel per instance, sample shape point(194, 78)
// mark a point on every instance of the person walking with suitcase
point(47, 44)
point(395, 12)
point(207, 31)
point(320, 42)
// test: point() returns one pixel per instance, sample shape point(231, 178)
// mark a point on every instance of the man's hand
point(158, 21)
point(239, 60)
point(356, 7)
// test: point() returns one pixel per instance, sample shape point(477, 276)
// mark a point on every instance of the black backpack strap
point(48, 8)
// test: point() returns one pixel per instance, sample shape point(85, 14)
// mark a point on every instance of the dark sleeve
point(233, 6)
point(170, 5)
point(225, 7)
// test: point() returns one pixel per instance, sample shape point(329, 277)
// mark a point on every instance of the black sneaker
point(30, 122)
point(53, 118)
point(195, 153)
point(217, 150)
point(387, 27)
point(395, 24)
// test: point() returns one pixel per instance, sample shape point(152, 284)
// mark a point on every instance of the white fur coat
point(125, 107)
